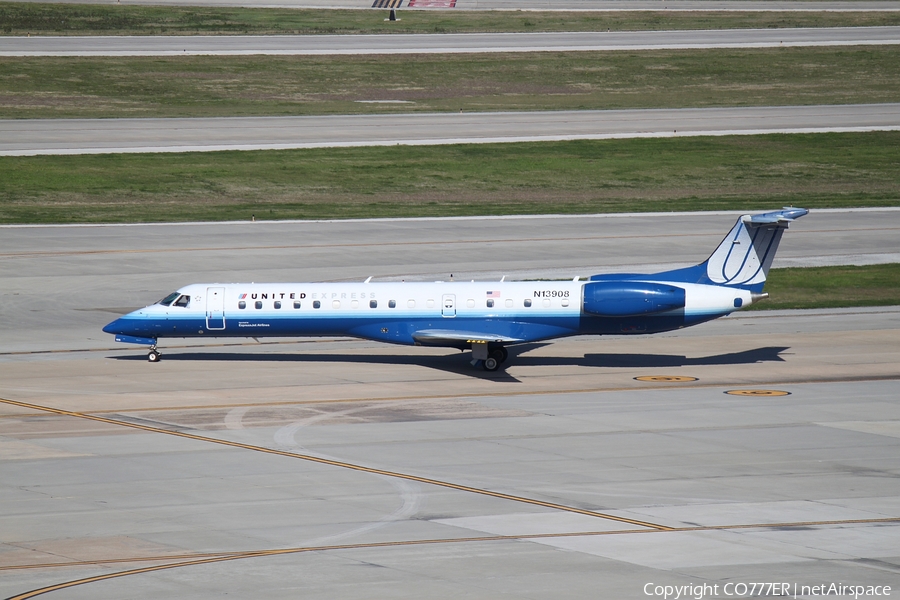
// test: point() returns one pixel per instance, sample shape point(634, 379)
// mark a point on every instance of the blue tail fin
point(742, 259)
point(745, 255)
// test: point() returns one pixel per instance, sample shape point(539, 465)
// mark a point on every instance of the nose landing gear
point(153, 355)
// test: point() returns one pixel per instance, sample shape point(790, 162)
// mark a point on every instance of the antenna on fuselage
point(368, 279)
point(502, 279)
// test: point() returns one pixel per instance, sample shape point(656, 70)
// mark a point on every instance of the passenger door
point(215, 308)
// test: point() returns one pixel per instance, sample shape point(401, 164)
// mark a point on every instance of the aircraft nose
point(114, 327)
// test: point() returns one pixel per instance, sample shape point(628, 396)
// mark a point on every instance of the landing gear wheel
point(153, 355)
point(502, 354)
point(491, 363)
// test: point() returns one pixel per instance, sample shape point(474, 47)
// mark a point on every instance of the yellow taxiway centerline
point(336, 463)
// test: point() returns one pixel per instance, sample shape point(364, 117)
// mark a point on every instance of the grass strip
point(83, 87)
point(832, 287)
point(588, 176)
point(25, 18)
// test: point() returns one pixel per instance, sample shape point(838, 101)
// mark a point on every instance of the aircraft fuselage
point(395, 312)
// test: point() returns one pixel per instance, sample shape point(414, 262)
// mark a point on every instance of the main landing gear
point(153, 355)
point(495, 358)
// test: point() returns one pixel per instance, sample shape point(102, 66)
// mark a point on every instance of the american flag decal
point(493, 294)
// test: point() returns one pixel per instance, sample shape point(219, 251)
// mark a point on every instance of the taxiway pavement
point(97, 136)
point(342, 468)
point(448, 43)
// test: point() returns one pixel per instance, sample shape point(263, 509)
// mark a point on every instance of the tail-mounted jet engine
point(631, 298)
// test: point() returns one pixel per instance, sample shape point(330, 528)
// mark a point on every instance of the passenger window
point(429, 303)
point(373, 303)
point(392, 304)
point(183, 301)
point(354, 304)
point(410, 303)
point(335, 304)
point(528, 303)
point(317, 304)
point(277, 304)
point(490, 303)
point(509, 303)
point(242, 305)
point(296, 304)
point(470, 303)
point(565, 302)
point(546, 302)
point(258, 304)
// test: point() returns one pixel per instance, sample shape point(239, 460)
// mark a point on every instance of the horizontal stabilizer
point(781, 218)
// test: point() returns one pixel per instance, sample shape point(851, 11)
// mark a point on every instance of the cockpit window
point(168, 299)
point(183, 301)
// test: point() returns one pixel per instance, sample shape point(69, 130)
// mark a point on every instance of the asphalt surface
point(448, 43)
point(331, 468)
point(92, 136)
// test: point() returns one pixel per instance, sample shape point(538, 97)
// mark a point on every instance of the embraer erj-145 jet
point(484, 316)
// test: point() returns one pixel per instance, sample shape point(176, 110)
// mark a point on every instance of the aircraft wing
point(459, 339)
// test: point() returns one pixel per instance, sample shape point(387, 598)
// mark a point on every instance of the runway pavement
point(93, 136)
point(449, 43)
point(341, 468)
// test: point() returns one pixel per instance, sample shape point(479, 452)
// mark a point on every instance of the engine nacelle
point(631, 298)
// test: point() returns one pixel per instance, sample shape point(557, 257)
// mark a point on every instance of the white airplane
point(484, 316)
